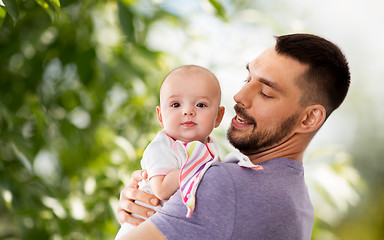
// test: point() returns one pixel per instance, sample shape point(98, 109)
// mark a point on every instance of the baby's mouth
point(189, 124)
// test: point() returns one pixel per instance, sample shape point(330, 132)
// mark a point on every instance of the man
point(292, 88)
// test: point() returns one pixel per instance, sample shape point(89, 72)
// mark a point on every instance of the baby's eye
point(200, 105)
point(175, 105)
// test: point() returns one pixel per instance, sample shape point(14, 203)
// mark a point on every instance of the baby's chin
point(186, 140)
point(205, 141)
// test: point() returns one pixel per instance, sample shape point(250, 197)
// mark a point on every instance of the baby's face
point(189, 105)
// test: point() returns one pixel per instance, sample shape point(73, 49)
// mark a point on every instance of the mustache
point(243, 114)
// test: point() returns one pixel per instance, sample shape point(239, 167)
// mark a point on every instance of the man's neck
point(293, 148)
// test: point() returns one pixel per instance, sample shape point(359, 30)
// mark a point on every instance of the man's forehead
point(270, 59)
point(260, 58)
point(277, 71)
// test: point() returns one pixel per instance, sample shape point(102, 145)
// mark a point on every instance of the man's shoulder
point(225, 176)
point(272, 178)
point(223, 168)
point(219, 176)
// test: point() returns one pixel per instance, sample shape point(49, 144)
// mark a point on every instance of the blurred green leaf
point(43, 3)
point(220, 10)
point(52, 7)
point(55, 2)
point(126, 18)
point(12, 7)
point(3, 14)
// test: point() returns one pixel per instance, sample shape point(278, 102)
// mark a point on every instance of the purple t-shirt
point(234, 202)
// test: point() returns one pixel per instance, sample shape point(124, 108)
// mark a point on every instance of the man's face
point(267, 107)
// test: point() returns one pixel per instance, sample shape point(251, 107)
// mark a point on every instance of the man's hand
point(130, 193)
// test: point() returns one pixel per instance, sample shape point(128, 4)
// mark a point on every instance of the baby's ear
point(220, 115)
point(159, 117)
point(313, 119)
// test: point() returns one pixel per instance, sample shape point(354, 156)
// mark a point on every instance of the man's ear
point(159, 117)
point(220, 115)
point(313, 118)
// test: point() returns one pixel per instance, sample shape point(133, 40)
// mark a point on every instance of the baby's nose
point(189, 112)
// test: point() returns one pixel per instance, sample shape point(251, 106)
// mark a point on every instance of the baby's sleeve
point(160, 159)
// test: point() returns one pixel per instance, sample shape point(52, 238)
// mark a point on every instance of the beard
point(258, 141)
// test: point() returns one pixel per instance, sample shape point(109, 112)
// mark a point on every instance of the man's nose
point(243, 97)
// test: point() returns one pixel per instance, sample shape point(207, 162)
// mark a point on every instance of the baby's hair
point(192, 69)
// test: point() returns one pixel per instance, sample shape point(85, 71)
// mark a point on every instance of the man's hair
point(327, 79)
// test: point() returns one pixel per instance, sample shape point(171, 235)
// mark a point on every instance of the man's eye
point(265, 95)
point(175, 105)
point(201, 105)
point(247, 80)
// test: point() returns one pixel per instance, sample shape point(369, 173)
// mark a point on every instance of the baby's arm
point(164, 186)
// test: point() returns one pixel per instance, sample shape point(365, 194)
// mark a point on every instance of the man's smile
point(242, 120)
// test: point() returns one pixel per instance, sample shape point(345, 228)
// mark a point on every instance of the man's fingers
point(127, 205)
point(129, 193)
point(136, 177)
point(123, 217)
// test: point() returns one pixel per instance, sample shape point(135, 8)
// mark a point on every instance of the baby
point(179, 155)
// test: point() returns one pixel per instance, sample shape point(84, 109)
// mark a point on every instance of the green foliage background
point(78, 86)
point(73, 108)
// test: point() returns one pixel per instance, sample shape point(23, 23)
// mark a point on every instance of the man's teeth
point(240, 120)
